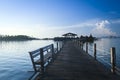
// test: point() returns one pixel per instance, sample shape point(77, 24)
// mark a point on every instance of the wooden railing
point(42, 57)
point(114, 68)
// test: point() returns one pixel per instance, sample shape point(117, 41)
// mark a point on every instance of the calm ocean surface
point(15, 63)
point(103, 50)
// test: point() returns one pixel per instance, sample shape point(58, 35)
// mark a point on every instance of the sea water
point(103, 50)
point(15, 62)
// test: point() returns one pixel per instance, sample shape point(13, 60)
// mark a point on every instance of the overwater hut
point(70, 35)
point(67, 36)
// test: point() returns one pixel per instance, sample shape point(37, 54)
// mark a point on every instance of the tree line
point(16, 38)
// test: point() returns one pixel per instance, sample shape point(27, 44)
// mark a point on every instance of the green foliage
point(15, 38)
point(87, 38)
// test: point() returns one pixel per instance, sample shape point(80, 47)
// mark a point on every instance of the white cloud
point(96, 26)
point(102, 29)
point(89, 23)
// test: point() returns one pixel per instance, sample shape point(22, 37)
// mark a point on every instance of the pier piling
point(95, 51)
point(113, 59)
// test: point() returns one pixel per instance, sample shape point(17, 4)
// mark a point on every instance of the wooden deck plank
point(74, 64)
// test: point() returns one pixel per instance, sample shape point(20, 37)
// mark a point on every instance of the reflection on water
point(103, 49)
point(15, 62)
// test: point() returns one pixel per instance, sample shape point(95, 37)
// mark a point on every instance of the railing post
point(52, 52)
point(57, 47)
point(78, 43)
point(42, 60)
point(60, 46)
point(81, 45)
point(32, 61)
point(86, 47)
point(95, 51)
point(62, 43)
point(113, 59)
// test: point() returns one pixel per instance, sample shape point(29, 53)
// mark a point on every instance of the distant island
point(16, 38)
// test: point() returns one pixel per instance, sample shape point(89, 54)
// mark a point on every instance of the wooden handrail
point(42, 56)
point(114, 69)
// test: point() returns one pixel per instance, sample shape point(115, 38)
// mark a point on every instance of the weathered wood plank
point(73, 64)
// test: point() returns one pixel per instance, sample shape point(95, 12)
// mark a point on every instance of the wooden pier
point(72, 63)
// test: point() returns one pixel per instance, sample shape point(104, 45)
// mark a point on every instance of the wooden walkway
point(73, 64)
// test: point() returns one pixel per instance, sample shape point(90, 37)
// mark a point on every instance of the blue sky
point(50, 18)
